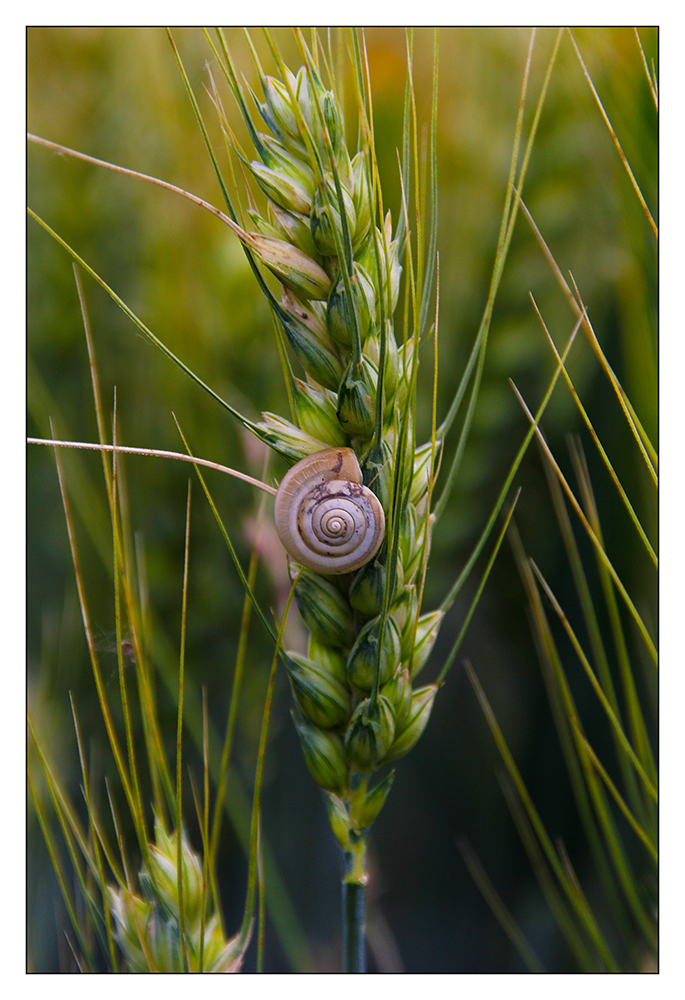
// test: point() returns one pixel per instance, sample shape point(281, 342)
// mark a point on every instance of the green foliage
point(310, 222)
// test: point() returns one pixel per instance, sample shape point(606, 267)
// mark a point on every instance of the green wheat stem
point(156, 758)
point(354, 908)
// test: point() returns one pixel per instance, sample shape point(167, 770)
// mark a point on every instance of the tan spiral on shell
point(325, 517)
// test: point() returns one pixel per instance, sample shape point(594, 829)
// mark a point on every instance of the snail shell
point(325, 517)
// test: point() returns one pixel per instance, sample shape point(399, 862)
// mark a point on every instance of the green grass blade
point(613, 720)
point(641, 437)
point(574, 895)
point(491, 896)
point(59, 875)
point(596, 763)
point(95, 842)
point(558, 694)
point(476, 598)
point(634, 710)
point(594, 631)
point(591, 535)
point(598, 444)
point(144, 329)
point(613, 135)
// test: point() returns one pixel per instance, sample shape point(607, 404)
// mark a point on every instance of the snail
point(326, 519)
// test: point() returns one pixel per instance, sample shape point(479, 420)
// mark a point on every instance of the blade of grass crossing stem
point(109, 726)
point(118, 570)
point(620, 802)
point(639, 433)
point(615, 847)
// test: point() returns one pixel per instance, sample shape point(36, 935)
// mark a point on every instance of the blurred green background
point(116, 94)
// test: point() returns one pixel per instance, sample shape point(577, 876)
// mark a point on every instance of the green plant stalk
point(153, 740)
point(599, 446)
point(254, 825)
point(59, 874)
point(604, 559)
point(573, 892)
point(551, 669)
point(94, 838)
point(354, 907)
point(235, 694)
point(593, 630)
point(634, 712)
point(493, 900)
point(639, 433)
point(179, 731)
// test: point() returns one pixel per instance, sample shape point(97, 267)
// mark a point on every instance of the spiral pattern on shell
point(326, 519)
